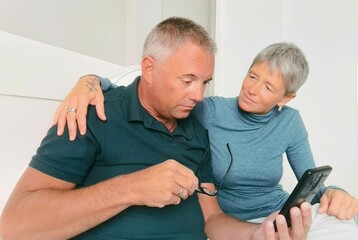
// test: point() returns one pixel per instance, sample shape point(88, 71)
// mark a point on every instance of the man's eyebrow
point(253, 73)
point(191, 75)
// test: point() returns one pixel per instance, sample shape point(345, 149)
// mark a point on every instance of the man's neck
point(143, 95)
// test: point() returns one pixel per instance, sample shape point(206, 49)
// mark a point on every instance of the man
point(133, 176)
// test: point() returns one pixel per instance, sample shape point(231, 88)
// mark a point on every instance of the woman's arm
point(219, 225)
point(333, 201)
point(88, 90)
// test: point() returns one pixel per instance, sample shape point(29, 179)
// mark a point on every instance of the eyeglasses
point(205, 190)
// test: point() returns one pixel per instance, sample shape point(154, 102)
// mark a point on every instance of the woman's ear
point(148, 68)
point(286, 99)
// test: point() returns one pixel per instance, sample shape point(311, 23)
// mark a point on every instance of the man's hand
point(338, 203)
point(163, 184)
point(301, 220)
point(73, 109)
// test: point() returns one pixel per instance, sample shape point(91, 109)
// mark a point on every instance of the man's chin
point(182, 115)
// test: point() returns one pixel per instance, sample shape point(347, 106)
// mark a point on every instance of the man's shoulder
point(194, 120)
point(122, 92)
point(114, 102)
point(114, 94)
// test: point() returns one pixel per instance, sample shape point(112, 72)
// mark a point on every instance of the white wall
point(111, 30)
point(73, 25)
point(326, 31)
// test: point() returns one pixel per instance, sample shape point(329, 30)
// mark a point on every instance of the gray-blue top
point(252, 188)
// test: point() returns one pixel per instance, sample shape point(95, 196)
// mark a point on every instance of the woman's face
point(262, 89)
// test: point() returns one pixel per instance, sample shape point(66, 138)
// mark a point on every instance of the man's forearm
point(62, 214)
point(223, 226)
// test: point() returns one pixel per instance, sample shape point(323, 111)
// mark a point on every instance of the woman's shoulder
point(220, 102)
point(291, 115)
point(289, 111)
point(220, 99)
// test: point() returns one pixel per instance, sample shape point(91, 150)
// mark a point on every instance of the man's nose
point(198, 93)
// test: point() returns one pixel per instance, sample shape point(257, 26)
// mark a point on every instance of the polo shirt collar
point(136, 112)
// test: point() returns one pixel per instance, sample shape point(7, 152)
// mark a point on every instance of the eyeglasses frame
point(205, 190)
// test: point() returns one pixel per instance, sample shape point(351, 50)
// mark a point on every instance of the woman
point(260, 129)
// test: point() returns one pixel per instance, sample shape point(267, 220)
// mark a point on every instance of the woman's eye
point(268, 88)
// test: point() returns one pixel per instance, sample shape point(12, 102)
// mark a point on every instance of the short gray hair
point(172, 33)
point(289, 60)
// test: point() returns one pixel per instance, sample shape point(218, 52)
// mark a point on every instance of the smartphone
point(305, 190)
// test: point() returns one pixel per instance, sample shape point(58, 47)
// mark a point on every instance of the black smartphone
point(305, 190)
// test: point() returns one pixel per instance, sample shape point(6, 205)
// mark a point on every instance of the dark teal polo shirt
point(130, 140)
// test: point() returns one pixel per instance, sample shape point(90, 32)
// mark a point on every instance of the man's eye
point(186, 81)
point(253, 77)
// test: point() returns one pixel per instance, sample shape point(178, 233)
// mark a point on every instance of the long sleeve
point(106, 84)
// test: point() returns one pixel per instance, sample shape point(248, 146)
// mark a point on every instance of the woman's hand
point(338, 203)
point(73, 109)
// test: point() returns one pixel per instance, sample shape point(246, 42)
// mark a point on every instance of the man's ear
point(148, 68)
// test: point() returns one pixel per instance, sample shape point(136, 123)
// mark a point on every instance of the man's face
point(179, 82)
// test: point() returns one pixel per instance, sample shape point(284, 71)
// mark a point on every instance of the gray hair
point(289, 60)
point(172, 33)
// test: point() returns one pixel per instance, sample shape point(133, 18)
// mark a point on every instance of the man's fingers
point(282, 229)
point(306, 212)
point(298, 230)
point(186, 178)
point(301, 221)
point(183, 193)
point(270, 231)
point(175, 200)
